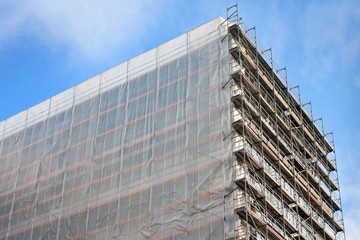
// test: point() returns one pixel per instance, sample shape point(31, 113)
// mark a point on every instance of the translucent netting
point(137, 152)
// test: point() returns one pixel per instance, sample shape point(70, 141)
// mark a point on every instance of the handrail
point(329, 229)
point(312, 170)
point(269, 120)
point(317, 217)
point(281, 114)
point(270, 142)
point(267, 96)
point(298, 134)
point(250, 76)
point(310, 147)
point(284, 138)
point(306, 230)
point(264, 71)
point(255, 129)
point(277, 87)
point(319, 141)
point(290, 216)
point(252, 100)
point(315, 192)
point(325, 187)
point(293, 108)
point(300, 157)
point(252, 56)
point(237, 91)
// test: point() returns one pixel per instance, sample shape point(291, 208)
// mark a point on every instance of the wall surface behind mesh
point(137, 152)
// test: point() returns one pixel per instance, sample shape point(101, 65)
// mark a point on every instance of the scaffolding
point(285, 175)
point(202, 137)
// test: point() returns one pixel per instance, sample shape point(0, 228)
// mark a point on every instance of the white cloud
point(330, 30)
point(87, 27)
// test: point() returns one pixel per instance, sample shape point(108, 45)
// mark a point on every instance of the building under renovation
point(202, 137)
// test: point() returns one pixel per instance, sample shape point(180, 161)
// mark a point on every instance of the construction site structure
point(285, 177)
point(202, 137)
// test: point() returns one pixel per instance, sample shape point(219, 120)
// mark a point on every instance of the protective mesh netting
point(137, 152)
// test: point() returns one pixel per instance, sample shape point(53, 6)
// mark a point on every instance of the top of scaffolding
point(280, 74)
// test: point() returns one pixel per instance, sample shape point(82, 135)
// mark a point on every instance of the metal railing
point(329, 229)
point(268, 98)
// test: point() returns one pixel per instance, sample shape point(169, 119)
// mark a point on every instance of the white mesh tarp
point(136, 152)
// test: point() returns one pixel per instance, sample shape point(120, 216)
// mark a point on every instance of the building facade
point(199, 138)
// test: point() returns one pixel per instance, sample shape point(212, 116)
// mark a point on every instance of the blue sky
point(49, 46)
